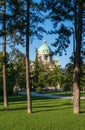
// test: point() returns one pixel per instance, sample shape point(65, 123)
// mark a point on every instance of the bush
point(38, 89)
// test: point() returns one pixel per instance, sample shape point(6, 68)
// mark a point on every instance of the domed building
point(45, 53)
point(45, 56)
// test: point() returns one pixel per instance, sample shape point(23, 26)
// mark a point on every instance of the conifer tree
point(29, 108)
point(3, 32)
point(17, 22)
point(61, 12)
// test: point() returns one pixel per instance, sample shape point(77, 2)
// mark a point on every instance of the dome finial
point(44, 41)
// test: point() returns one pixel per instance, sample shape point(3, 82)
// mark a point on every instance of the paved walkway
point(48, 95)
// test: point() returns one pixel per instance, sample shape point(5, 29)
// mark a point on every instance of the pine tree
point(61, 12)
point(4, 54)
point(76, 84)
point(17, 22)
point(29, 108)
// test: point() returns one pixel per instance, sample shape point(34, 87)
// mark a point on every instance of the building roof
point(44, 48)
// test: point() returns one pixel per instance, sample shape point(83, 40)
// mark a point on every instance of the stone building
point(45, 55)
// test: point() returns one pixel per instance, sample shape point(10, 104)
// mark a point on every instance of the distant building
point(45, 55)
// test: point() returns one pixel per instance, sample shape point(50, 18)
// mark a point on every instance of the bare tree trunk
point(29, 106)
point(4, 61)
point(4, 73)
point(76, 84)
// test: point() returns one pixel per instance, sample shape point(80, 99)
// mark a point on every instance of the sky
point(64, 59)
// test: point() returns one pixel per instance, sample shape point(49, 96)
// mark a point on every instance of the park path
point(48, 95)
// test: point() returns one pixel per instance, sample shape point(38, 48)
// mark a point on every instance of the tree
point(27, 11)
point(68, 77)
point(4, 59)
point(39, 73)
point(17, 27)
point(55, 76)
point(10, 77)
point(17, 66)
point(29, 108)
point(76, 84)
point(61, 12)
point(5, 31)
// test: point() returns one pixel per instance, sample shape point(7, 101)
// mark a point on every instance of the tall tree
point(5, 31)
point(61, 12)
point(76, 84)
point(4, 58)
point(17, 26)
point(29, 108)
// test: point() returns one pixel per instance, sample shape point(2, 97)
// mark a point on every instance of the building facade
point(45, 55)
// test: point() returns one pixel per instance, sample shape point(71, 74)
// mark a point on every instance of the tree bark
point(76, 84)
point(29, 106)
point(4, 61)
point(4, 73)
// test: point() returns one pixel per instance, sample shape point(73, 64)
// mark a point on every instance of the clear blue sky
point(64, 59)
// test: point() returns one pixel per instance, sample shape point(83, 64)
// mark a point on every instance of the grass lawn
point(58, 93)
point(48, 114)
point(63, 93)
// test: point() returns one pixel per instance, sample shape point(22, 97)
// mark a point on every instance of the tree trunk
point(4, 74)
point(4, 61)
point(76, 84)
point(29, 106)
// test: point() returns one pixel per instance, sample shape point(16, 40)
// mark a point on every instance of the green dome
point(44, 48)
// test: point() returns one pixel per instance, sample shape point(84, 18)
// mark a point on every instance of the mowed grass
point(63, 93)
point(48, 114)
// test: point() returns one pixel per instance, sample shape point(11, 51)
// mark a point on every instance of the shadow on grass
point(82, 112)
point(13, 109)
point(50, 107)
point(38, 109)
point(43, 108)
point(41, 104)
point(50, 110)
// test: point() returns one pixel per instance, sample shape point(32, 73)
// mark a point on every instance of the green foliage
point(18, 62)
point(43, 76)
point(68, 77)
point(82, 82)
point(15, 72)
point(55, 76)
point(15, 18)
point(40, 75)
point(10, 76)
point(60, 13)
point(39, 72)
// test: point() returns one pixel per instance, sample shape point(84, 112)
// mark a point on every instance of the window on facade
point(46, 57)
point(40, 58)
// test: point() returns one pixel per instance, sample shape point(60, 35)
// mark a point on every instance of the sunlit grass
point(48, 114)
